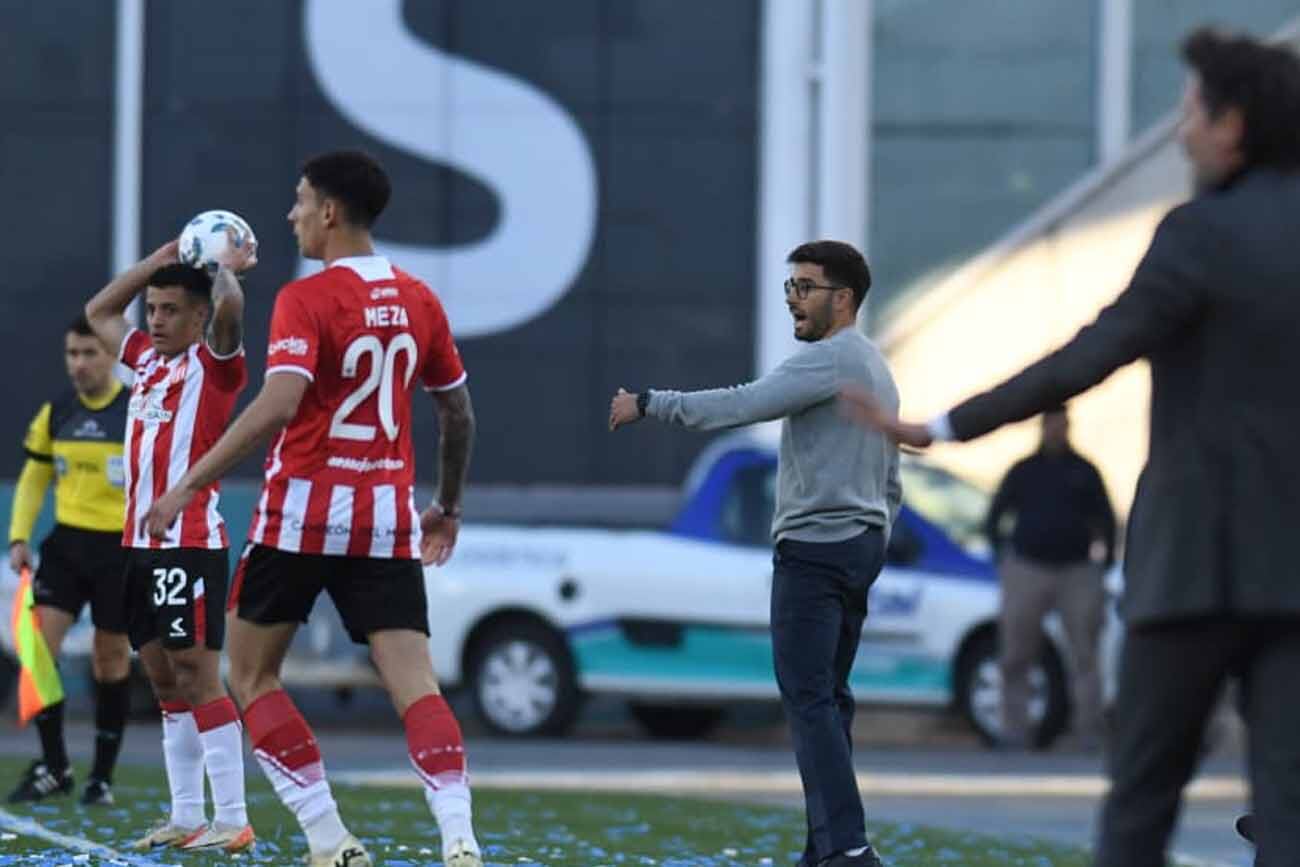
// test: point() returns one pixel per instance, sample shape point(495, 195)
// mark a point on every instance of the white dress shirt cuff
point(941, 428)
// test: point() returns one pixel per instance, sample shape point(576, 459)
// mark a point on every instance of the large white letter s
point(501, 131)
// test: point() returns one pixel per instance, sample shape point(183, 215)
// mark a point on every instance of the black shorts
point(370, 593)
point(178, 596)
point(80, 566)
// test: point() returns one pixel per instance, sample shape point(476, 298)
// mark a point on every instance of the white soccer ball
point(205, 238)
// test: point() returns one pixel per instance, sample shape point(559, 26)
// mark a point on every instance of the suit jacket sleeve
point(1167, 292)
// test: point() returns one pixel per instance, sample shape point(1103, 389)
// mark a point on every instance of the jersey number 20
point(383, 364)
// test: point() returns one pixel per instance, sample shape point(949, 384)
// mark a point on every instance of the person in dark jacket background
point(1054, 560)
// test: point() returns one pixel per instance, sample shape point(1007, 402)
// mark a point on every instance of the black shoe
point(1246, 827)
point(868, 858)
point(97, 794)
point(40, 782)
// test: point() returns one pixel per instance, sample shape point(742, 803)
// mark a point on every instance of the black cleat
point(40, 782)
point(1246, 827)
point(97, 793)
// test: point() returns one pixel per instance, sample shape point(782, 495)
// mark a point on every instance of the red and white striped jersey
point(340, 478)
point(179, 407)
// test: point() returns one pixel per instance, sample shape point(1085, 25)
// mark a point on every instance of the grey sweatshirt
point(833, 478)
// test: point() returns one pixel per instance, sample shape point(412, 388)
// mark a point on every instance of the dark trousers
point(819, 601)
point(1171, 676)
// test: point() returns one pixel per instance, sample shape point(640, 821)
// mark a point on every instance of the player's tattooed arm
point(226, 334)
point(106, 311)
point(456, 424)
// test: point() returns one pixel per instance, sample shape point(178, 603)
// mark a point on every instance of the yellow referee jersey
point(77, 443)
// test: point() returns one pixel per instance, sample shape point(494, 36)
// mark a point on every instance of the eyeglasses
point(801, 288)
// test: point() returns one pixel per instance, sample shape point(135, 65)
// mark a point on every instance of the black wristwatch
point(642, 401)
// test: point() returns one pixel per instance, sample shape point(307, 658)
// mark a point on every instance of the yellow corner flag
point(38, 684)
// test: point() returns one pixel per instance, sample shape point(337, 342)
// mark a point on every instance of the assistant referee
point(75, 441)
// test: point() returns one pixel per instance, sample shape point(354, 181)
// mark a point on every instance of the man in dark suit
point(1211, 567)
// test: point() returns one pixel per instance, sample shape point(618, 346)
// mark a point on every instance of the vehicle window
point(747, 510)
point(950, 502)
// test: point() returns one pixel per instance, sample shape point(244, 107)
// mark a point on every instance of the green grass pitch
point(515, 829)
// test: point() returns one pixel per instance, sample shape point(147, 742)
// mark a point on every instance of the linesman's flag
point(38, 684)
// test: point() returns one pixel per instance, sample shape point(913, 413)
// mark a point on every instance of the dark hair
point(355, 179)
point(80, 325)
point(842, 263)
point(196, 282)
point(1261, 80)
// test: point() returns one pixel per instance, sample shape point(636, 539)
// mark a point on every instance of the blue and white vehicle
point(531, 619)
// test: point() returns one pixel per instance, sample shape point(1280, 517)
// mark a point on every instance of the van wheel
point(522, 680)
point(979, 692)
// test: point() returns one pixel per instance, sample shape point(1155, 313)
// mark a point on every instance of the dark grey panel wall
point(56, 95)
point(982, 112)
point(666, 103)
point(1159, 27)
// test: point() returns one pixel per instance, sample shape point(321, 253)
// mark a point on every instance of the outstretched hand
point(862, 407)
point(622, 409)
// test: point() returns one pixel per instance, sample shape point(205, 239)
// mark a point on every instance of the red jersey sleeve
point(228, 372)
point(135, 343)
point(443, 369)
point(294, 343)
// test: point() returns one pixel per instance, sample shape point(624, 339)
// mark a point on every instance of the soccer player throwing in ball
point(187, 375)
point(337, 512)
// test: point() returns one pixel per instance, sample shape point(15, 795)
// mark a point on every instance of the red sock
point(282, 738)
point(171, 707)
point(434, 742)
point(215, 714)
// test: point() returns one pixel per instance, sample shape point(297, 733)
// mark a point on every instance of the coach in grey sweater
point(837, 496)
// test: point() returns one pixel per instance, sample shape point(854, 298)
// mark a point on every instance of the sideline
point(782, 782)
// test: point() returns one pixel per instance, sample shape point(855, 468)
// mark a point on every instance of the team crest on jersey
point(178, 374)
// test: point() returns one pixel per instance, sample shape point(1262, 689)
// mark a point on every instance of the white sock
point(310, 802)
point(223, 753)
point(451, 807)
point(183, 759)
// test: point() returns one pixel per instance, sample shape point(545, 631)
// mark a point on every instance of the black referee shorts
point(79, 566)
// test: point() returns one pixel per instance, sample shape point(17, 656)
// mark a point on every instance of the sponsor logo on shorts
point(177, 629)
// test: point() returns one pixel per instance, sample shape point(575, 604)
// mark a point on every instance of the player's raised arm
point(106, 311)
point(226, 333)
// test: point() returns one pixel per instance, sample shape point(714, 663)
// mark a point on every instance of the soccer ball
point(204, 238)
